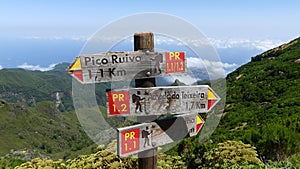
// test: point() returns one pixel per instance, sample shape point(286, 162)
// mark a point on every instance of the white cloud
point(261, 44)
point(215, 69)
point(79, 38)
point(189, 80)
point(164, 40)
point(196, 62)
point(74, 38)
point(1, 67)
point(36, 67)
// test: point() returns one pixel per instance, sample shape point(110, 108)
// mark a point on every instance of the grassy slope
point(263, 103)
point(42, 128)
point(262, 108)
point(34, 86)
point(30, 119)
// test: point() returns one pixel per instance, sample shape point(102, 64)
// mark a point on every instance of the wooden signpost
point(145, 42)
point(145, 136)
point(146, 101)
point(120, 66)
point(161, 100)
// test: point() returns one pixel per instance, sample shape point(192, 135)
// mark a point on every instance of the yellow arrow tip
point(75, 65)
point(198, 119)
point(211, 95)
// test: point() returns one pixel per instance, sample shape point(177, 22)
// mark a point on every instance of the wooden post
point(145, 41)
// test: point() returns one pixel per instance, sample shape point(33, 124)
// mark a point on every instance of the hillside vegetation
point(28, 132)
point(37, 117)
point(260, 126)
point(262, 108)
point(263, 103)
point(31, 87)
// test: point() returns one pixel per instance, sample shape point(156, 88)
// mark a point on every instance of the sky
point(38, 34)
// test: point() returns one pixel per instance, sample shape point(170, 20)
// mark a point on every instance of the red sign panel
point(118, 103)
point(130, 141)
point(175, 62)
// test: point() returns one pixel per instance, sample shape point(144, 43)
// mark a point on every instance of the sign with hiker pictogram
point(145, 136)
point(161, 100)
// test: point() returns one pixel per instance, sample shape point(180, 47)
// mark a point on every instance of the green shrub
point(231, 154)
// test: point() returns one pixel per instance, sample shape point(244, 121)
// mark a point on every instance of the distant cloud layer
point(263, 45)
point(1, 67)
point(36, 67)
point(195, 62)
point(216, 69)
point(75, 38)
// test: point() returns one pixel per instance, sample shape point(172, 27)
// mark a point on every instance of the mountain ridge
point(34, 86)
point(262, 109)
